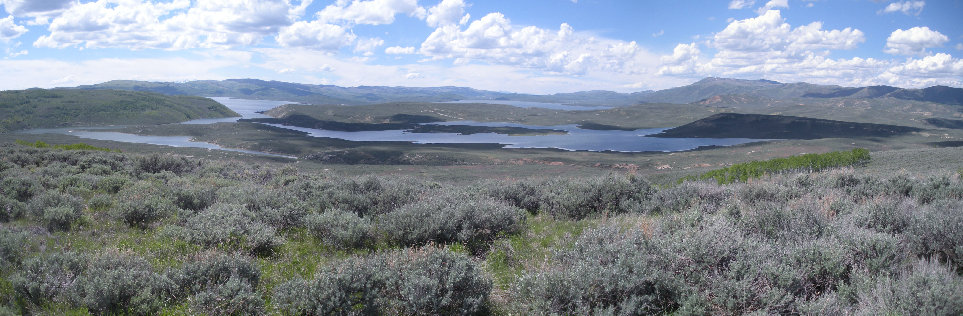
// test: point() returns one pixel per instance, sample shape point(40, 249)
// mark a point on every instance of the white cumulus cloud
point(26, 7)
point(368, 45)
point(398, 50)
point(907, 7)
point(372, 12)
point(315, 34)
point(684, 60)
point(740, 4)
point(494, 39)
point(446, 12)
point(176, 24)
point(772, 4)
point(9, 29)
point(914, 41)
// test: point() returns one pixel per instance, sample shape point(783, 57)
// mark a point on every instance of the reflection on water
point(529, 104)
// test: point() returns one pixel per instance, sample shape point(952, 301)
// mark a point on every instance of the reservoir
point(573, 138)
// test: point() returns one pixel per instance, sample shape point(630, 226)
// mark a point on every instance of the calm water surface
point(575, 138)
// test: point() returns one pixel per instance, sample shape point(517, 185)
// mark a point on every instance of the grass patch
point(809, 162)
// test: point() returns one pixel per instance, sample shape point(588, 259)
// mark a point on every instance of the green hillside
point(39, 108)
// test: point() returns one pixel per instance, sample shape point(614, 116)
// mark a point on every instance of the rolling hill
point(733, 125)
point(39, 108)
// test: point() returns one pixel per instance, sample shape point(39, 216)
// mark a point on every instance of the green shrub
point(58, 211)
point(451, 216)
point(706, 196)
point(20, 187)
point(929, 289)
point(115, 282)
point(60, 218)
point(937, 188)
point(809, 162)
point(937, 232)
point(158, 163)
point(112, 184)
point(350, 287)
point(12, 248)
point(521, 194)
point(193, 194)
point(48, 278)
point(581, 198)
point(340, 229)
point(231, 227)
point(220, 284)
point(424, 281)
point(11, 209)
point(887, 215)
point(368, 195)
point(100, 202)
point(140, 213)
point(607, 271)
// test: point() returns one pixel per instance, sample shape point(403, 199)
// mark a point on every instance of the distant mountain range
point(706, 91)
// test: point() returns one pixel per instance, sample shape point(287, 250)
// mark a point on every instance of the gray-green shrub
point(115, 282)
point(219, 284)
point(423, 281)
point(579, 198)
point(451, 216)
point(340, 229)
point(230, 227)
point(928, 289)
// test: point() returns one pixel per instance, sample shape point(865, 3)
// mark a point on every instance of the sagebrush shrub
point(451, 216)
point(937, 188)
point(11, 209)
point(112, 183)
point(522, 194)
point(193, 193)
point(12, 248)
point(48, 278)
point(142, 212)
point(156, 163)
point(608, 271)
point(340, 229)
point(424, 281)
point(928, 289)
point(369, 195)
point(584, 197)
point(232, 227)
point(116, 282)
point(219, 284)
point(20, 187)
point(58, 211)
point(143, 203)
point(936, 232)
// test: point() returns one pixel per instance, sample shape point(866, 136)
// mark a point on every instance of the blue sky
point(530, 46)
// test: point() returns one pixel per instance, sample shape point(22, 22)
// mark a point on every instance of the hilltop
point(701, 91)
point(40, 108)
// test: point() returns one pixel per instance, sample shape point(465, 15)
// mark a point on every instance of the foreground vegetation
point(105, 232)
point(40, 108)
point(742, 172)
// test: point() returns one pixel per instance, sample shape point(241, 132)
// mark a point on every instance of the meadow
point(88, 231)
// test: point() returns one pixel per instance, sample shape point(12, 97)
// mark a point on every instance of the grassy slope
point(38, 108)
point(751, 229)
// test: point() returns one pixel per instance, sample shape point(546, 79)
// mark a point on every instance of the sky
point(526, 46)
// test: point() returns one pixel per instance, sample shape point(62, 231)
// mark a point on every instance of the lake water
point(172, 141)
point(575, 138)
point(248, 109)
point(529, 104)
